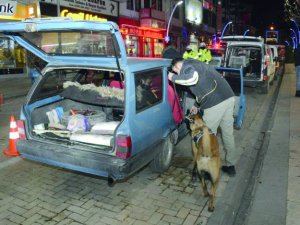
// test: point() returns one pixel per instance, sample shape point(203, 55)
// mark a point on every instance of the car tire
point(163, 159)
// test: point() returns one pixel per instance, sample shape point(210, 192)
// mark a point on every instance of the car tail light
point(265, 77)
point(21, 130)
point(123, 147)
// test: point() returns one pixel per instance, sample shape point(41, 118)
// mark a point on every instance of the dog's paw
point(211, 209)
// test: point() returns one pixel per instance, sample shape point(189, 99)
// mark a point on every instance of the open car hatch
point(60, 40)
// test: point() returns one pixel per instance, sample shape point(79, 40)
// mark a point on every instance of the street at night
point(149, 112)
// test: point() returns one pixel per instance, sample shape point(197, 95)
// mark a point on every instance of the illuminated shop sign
point(105, 7)
point(81, 16)
point(135, 31)
point(193, 11)
point(271, 36)
point(8, 8)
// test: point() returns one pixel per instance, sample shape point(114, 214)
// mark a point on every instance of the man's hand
point(194, 110)
point(170, 76)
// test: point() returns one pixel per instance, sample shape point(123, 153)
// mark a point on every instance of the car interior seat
point(237, 61)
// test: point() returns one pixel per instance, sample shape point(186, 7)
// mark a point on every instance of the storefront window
point(12, 57)
point(7, 59)
point(132, 44)
point(158, 47)
point(147, 47)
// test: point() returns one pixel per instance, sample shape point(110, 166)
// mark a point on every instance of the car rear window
point(88, 43)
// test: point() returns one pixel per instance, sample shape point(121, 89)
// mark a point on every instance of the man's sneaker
point(230, 170)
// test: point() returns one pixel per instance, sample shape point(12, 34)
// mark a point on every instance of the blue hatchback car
point(93, 109)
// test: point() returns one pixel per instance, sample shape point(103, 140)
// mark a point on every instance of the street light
point(297, 28)
point(287, 43)
point(294, 42)
point(230, 22)
point(246, 31)
point(167, 38)
point(295, 36)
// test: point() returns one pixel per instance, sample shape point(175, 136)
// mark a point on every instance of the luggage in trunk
point(74, 121)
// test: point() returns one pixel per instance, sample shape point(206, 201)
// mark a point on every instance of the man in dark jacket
point(214, 96)
point(297, 67)
point(170, 52)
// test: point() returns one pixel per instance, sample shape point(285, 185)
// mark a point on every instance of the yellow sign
point(20, 14)
point(81, 16)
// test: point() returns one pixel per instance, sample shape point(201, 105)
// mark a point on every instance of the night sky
point(266, 12)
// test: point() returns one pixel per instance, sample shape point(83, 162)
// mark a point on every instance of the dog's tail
point(206, 140)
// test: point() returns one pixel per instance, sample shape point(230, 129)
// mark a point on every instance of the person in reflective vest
point(204, 54)
point(190, 53)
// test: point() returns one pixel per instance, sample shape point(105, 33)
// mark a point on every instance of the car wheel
point(162, 160)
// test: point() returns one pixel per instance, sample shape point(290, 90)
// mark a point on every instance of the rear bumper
point(91, 162)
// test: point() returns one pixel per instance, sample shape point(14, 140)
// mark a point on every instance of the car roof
point(137, 63)
point(242, 38)
point(133, 63)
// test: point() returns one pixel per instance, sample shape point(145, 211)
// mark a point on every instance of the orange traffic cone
point(13, 137)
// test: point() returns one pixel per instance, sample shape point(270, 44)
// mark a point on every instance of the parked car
point(254, 56)
point(278, 56)
point(93, 109)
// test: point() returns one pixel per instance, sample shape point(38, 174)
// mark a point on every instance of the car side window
point(148, 88)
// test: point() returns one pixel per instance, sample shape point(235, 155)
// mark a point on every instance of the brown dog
point(206, 157)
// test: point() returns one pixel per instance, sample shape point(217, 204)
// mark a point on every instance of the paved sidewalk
point(293, 196)
point(275, 199)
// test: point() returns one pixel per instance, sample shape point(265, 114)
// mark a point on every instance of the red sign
point(136, 31)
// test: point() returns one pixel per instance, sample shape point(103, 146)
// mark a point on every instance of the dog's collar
point(198, 136)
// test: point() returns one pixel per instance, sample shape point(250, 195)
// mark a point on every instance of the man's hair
point(176, 60)
point(169, 44)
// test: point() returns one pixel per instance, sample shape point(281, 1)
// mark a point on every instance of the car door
point(270, 63)
point(152, 115)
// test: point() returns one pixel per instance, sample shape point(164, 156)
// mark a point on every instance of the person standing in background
point(190, 53)
point(297, 67)
point(204, 54)
point(170, 52)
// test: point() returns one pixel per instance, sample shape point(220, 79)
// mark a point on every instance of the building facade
point(143, 25)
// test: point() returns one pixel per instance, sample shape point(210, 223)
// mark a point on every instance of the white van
point(254, 56)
